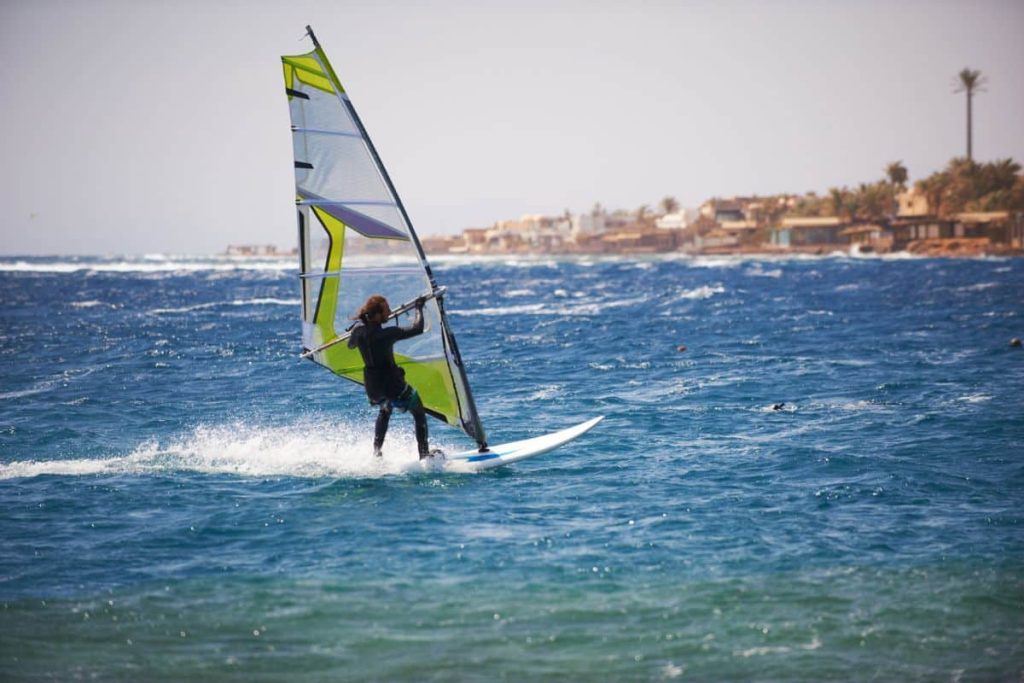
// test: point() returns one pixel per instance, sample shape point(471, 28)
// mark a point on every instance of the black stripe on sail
point(296, 93)
point(303, 164)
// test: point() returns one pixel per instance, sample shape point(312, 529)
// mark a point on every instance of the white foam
point(546, 392)
point(975, 398)
point(235, 302)
point(48, 384)
point(311, 449)
point(757, 271)
point(565, 310)
point(702, 292)
point(979, 287)
point(148, 264)
point(266, 301)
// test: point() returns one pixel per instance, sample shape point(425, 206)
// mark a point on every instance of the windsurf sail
point(356, 239)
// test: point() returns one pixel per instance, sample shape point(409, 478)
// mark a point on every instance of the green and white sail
point(356, 239)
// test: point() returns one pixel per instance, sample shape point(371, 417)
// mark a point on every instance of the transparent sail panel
point(338, 168)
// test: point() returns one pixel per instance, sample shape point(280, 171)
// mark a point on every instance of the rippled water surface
point(827, 484)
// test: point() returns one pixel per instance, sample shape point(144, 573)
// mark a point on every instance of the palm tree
point(669, 205)
point(837, 197)
point(970, 83)
point(897, 173)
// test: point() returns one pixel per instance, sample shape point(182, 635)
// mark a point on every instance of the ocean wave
point(757, 271)
point(546, 392)
point(306, 450)
point(702, 292)
point(978, 287)
point(147, 265)
point(975, 398)
point(48, 384)
point(266, 301)
point(562, 309)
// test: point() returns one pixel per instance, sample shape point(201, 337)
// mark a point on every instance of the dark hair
point(374, 306)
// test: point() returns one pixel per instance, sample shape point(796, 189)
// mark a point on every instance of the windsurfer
point(383, 378)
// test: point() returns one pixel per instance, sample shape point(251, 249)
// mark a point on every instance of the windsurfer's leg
point(381, 428)
point(419, 416)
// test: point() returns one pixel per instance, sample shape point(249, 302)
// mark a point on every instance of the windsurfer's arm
point(417, 324)
point(353, 340)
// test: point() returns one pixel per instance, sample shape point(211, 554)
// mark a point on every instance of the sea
point(810, 469)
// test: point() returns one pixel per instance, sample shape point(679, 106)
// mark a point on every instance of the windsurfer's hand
point(420, 302)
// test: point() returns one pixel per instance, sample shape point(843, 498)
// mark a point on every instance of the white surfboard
point(508, 453)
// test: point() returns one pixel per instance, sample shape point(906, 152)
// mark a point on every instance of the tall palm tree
point(897, 173)
point(970, 83)
point(669, 204)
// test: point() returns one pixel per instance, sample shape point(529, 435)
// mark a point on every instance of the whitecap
point(979, 287)
point(48, 384)
point(702, 292)
point(546, 392)
point(265, 301)
point(166, 265)
point(757, 271)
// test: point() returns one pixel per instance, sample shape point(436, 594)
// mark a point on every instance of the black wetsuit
point(385, 380)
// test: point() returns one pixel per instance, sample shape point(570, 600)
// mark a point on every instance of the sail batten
point(356, 239)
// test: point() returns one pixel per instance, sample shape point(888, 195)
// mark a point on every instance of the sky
point(143, 126)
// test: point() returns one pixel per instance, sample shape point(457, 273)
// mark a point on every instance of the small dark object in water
point(779, 406)
point(1015, 342)
point(682, 347)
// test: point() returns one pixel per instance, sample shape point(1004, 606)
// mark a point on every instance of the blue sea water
point(182, 499)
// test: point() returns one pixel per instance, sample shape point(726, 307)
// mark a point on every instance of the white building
point(587, 224)
point(672, 221)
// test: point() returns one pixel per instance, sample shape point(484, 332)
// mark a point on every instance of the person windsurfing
point(383, 379)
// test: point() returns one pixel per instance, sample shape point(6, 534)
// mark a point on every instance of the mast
point(476, 426)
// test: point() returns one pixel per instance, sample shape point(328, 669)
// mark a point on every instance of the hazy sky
point(144, 126)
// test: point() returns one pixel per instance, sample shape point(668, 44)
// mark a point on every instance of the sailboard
point(356, 240)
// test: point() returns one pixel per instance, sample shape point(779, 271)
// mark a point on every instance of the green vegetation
point(965, 185)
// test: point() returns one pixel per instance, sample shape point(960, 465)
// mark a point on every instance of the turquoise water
point(184, 500)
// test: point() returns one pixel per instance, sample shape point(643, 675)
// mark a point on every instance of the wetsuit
point(384, 380)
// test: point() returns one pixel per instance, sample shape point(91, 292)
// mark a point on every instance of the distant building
point(868, 237)
point(807, 232)
point(916, 228)
point(745, 232)
point(441, 244)
point(728, 209)
point(717, 239)
point(1000, 227)
point(640, 242)
point(911, 204)
point(673, 221)
point(475, 239)
point(586, 224)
